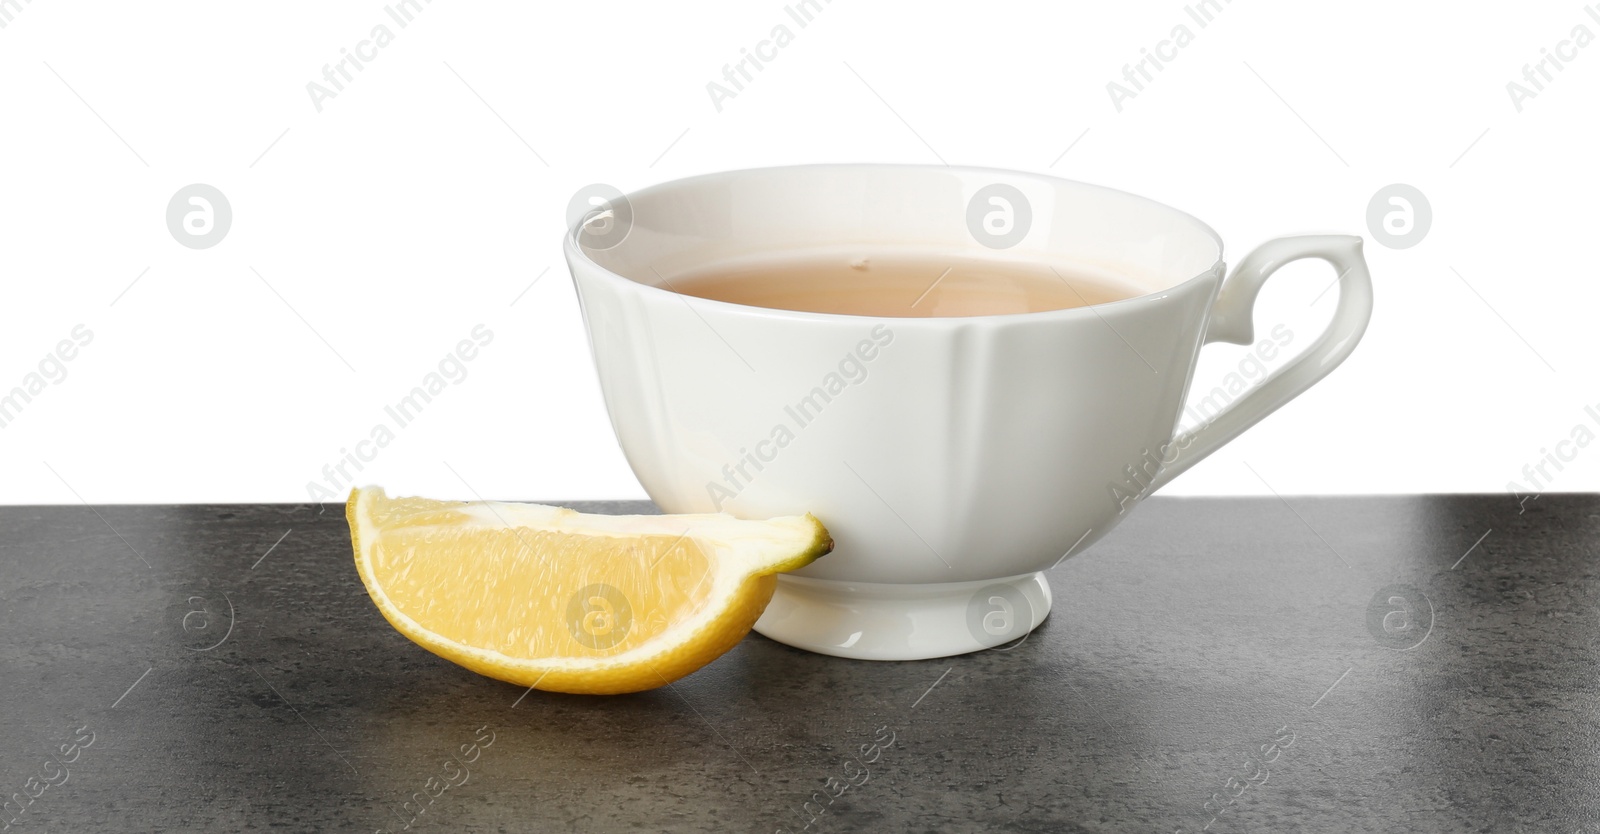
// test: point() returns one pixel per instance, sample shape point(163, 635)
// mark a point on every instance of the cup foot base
point(869, 621)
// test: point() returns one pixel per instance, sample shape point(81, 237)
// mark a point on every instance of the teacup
point(974, 453)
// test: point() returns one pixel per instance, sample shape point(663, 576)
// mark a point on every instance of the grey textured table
point(1390, 663)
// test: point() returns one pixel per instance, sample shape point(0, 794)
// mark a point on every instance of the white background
point(429, 195)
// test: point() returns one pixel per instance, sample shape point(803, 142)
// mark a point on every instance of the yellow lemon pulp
point(570, 602)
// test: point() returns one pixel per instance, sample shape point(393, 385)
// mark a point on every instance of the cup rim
point(573, 250)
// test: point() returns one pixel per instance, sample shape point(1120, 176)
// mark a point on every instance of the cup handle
point(1232, 322)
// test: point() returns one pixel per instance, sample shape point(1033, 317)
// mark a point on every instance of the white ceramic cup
point(953, 459)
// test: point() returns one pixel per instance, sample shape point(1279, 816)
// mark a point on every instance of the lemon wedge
point(554, 599)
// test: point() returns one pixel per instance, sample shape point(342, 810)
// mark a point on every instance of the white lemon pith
point(566, 601)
